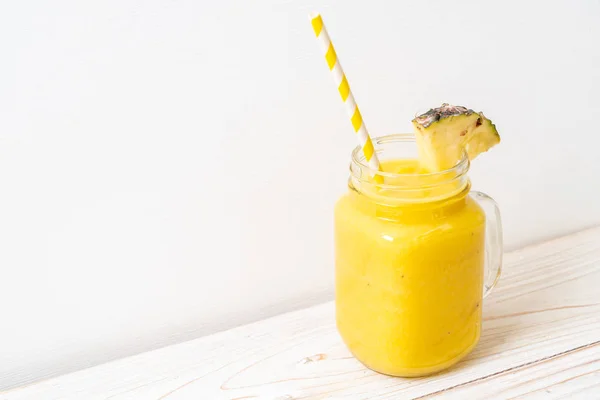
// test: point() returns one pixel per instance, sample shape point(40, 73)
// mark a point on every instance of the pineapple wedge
point(443, 134)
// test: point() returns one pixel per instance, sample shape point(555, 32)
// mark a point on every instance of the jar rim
point(405, 187)
point(359, 159)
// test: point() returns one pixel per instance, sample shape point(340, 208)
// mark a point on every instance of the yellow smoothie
point(409, 273)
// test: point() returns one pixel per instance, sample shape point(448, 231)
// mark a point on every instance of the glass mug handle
point(493, 240)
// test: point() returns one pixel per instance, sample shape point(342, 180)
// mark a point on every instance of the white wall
point(168, 168)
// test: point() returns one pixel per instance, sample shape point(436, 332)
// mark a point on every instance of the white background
point(169, 168)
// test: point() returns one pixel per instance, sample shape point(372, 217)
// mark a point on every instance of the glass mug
point(414, 258)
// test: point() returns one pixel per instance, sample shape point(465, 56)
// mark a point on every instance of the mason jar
point(415, 253)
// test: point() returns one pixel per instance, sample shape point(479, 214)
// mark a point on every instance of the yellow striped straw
point(339, 77)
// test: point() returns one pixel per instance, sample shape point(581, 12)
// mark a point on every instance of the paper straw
point(339, 77)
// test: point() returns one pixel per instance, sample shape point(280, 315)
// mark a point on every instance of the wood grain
point(541, 339)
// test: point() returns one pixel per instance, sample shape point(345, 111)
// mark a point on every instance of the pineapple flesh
point(443, 134)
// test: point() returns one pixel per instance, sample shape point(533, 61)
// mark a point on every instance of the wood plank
point(573, 374)
point(541, 337)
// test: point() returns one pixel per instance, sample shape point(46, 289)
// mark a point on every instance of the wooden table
point(541, 340)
